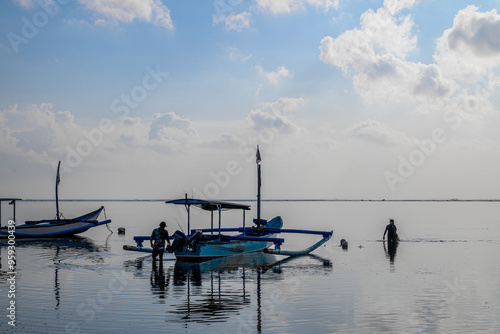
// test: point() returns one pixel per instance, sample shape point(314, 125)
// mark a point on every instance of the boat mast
point(58, 179)
point(187, 209)
point(258, 186)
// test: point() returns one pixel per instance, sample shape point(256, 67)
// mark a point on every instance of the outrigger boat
point(57, 227)
point(208, 244)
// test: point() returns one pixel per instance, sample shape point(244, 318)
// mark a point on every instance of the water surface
point(443, 276)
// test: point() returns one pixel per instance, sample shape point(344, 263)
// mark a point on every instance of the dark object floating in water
point(121, 230)
point(344, 244)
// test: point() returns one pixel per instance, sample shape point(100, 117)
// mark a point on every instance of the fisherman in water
point(391, 231)
point(158, 237)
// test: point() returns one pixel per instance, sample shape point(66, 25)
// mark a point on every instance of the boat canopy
point(209, 205)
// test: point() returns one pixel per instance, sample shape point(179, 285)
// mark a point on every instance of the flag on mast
point(259, 182)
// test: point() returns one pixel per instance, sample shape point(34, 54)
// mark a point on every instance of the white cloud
point(394, 6)
point(28, 4)
point(471, 48)
point(274, 76)
point(380, 34)
point(170, 130)
point(288, 6)
point(152, 11)
point(224, 140)
point(375, 131)
point(284, 105)
point(259, 120)
point(376, 56)
point(236, 55)
point(36, 131)
point(275, 116)
point(236, 22)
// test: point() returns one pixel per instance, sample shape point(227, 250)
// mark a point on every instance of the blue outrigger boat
point(57, 227)
point(212, 243)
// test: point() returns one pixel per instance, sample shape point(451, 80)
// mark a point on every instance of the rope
point(106, 218)
point(60, 216)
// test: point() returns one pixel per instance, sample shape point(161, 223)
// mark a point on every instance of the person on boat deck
point(391, 231)
point(158, 237)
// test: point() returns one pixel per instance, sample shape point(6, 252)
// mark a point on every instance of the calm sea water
point(443, 277)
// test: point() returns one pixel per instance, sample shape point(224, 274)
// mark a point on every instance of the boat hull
point(51, 229)
point(214, 249)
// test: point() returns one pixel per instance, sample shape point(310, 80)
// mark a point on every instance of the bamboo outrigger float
point(207, 244)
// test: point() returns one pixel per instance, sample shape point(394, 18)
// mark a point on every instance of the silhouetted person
point(392, 232)
point(158, 238)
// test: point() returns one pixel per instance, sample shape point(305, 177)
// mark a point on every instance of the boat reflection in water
point(56, 251)
point(227, 290)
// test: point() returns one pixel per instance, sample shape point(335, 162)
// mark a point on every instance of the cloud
point(275, 116)
point(237, 22)
point(288, 6)
point(375, 54)
point(471, 48)
point(374, 131)
point(224, 141)
point(36, 131)
point(28, 4)
point(259, 120)
point(116, 11)
point(170, 130)
point(380, 34)
point(394, 6)
point(274, 77)
point(234, 54)
point(284, 105)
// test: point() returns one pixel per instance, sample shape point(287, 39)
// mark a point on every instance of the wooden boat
point(55, 227)
point(208, 244)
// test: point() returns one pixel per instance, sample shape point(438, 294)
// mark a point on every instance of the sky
point(152, 99)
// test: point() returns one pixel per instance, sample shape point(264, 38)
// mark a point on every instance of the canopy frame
point(209, 206)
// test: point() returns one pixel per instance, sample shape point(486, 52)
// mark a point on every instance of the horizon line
point(275, 200)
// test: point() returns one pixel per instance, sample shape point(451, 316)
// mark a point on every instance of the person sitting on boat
point(158, 237)
point(391, 231)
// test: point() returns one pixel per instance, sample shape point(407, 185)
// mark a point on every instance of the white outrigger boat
point(57, 227)
point(208, 244)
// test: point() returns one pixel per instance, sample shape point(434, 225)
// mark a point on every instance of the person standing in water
point(391, 231)
point(158, 238)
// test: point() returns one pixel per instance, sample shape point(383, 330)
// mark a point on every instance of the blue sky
point(151, 99)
